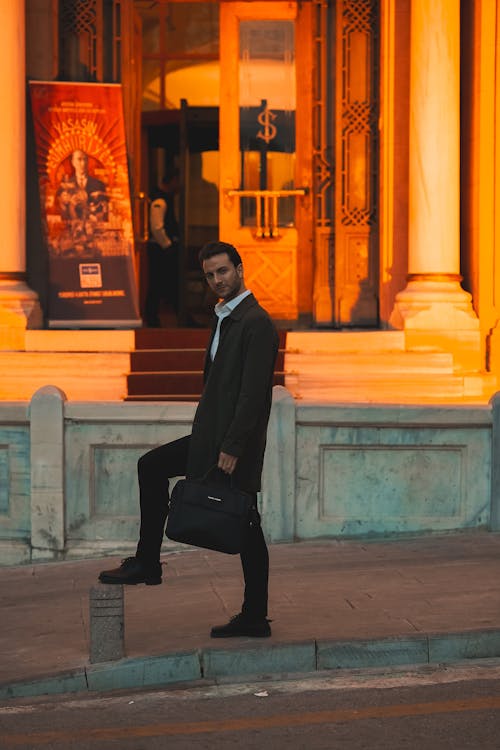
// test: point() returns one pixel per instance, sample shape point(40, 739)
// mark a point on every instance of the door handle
point(141, 217)
point(266, 207)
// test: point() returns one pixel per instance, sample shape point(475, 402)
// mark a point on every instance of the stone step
point(387, 388)
point(163, 360)
point(171, 338)
point(374, 367)
point(65, 341)
point(171, 360)
point(168, 364)
point(90, 367)
point(170, 384)
point(345, 341)
point(362, 363)
point(163, 397)
point(82, 376)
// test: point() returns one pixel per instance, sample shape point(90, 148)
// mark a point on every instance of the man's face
point(223, 277)
point(79, 161)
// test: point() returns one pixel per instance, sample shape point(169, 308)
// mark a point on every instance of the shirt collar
point(225, 308)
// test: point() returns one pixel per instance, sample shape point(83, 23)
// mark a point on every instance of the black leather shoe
point(133, 571)
point(239, 625)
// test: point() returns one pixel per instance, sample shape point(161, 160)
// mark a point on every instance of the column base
point(435, 311)
point(19, 310)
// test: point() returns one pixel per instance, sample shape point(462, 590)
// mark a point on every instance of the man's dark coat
point(233, 412)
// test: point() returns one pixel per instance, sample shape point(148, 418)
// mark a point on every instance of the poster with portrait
point(85, 204)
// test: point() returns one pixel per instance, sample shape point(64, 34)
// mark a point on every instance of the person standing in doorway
point(229, 432)
point(163, 250)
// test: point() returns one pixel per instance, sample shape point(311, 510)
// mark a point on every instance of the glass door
point(180, 115)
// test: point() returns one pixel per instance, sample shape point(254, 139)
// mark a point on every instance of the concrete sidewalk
point(334, 604)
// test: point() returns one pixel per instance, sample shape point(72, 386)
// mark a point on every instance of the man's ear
point(239, 270)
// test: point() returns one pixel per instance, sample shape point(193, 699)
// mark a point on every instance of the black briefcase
point(208, 514)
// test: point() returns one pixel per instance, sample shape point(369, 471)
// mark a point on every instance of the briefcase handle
point(229, 478)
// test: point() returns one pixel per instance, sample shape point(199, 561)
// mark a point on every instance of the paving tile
point(324, 591)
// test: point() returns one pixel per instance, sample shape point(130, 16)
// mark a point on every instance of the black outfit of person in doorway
point(163, 251)
point(229, 431)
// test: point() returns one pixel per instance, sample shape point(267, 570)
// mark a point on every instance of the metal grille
point(323, 149)
point(78, 16)
point(359, 130)
point(360, 16)
point(90, 40)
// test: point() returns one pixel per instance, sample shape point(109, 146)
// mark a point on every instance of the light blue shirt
point(222, 310)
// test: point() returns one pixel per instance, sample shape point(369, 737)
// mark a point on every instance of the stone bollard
point(106, 623)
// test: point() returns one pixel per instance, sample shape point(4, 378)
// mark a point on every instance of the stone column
point(495, 463)
point(107, 623)
point(47, 473)
point(19, 306)
point(278, 476)
point(433, 308)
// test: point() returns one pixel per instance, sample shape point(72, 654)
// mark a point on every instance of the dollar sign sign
point(265, 119)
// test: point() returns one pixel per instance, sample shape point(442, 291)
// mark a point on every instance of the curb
point(263, 661)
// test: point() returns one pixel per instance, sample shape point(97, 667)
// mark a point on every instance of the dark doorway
point(186, 139)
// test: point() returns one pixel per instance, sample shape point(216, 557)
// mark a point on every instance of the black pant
point(163, 280)
point(155, 468)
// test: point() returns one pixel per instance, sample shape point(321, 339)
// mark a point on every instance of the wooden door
point(265, 146)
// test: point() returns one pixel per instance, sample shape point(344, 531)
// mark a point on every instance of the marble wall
point(68, 484)
point(377, 471)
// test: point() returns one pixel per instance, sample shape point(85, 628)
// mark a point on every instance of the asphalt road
point(455, 707)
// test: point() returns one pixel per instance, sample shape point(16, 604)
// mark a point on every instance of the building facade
point(348, 147)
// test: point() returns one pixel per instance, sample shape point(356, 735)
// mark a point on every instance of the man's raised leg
point(155, 469)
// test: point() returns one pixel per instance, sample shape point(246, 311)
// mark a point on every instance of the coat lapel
point(238, 312)
point(208, 361)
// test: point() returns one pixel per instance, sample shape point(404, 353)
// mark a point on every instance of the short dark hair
point(216, 248)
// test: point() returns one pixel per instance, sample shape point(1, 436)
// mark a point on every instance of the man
point(229, 432)
point(163, 250)
point(82, 196)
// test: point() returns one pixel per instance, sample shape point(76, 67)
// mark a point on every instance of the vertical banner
point(85, 204)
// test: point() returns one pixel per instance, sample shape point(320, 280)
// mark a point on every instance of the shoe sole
point(148, 582)
point(240, 635)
